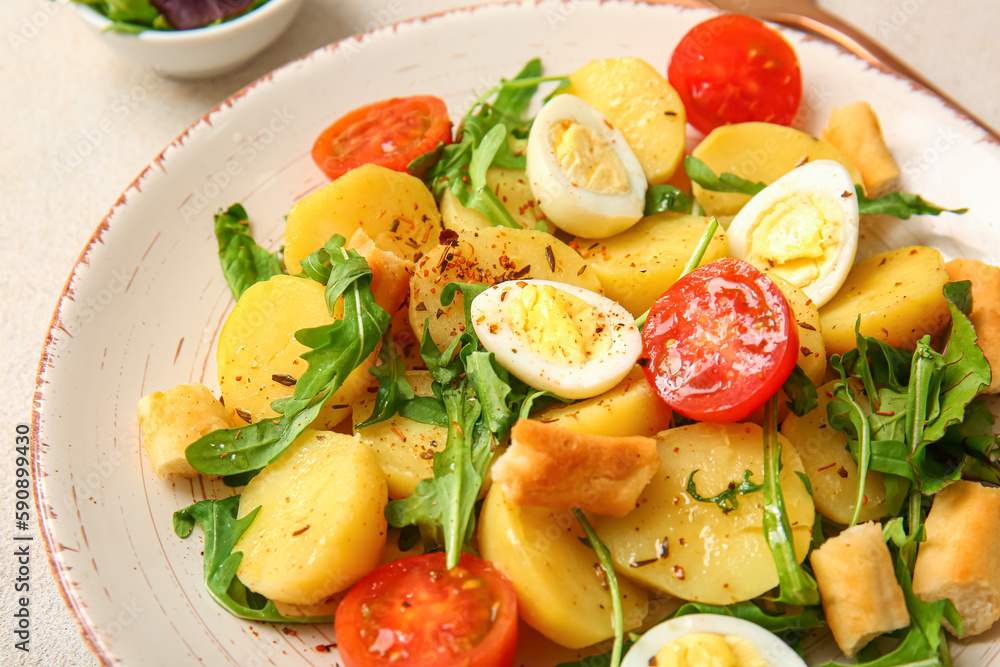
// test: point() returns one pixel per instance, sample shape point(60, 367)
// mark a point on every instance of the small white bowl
point(200, 52)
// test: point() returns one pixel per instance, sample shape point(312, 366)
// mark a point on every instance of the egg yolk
point(587, 160)
point(706, 649)
point(557, 325)
point(797, 237)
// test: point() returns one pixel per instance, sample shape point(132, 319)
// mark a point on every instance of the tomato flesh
point(390, 133)
point(720, 342)
point(735, 69)
point(415, 611)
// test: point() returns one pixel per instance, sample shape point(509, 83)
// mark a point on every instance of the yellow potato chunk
point(395, 209)
point(561, 591)
point(405, 448)
point(831, 469)
point(758, 152)
point(855, 131)
point(898, 295)
point(985, 315)
point(321, 525)
point(171, 420)
point(259, 358)
point(512, 189)
point(488, 256)
point(692, 549)
point(629, 408)
point(638, 265)
point(640, 102)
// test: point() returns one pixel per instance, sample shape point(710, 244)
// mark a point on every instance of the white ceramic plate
point(143, 306)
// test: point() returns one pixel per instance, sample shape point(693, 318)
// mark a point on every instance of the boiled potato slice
point(395, 209)
point(640, 102)
point(638, 265)
point(512, 189)
point(693, 550)
point(259, 358)
point(171, 420)
point(560, 588)
point(629, 408)
point(487, 256)
point(831, 469)
point(898, 295)
point(404, 448)
point(321, 525)
point(758, 152)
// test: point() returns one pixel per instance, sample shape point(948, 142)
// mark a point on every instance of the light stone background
point(78, 123)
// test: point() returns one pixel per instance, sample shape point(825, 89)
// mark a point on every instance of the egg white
point(574, 381)
point(576, 209)
point(821, 178)
point(773, 650)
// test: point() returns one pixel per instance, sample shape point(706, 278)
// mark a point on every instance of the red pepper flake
point(300, 531)
point(679, 572)
point(826, 467)
point(842, 472)
point(448, 237)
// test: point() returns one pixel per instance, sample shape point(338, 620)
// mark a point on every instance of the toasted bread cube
point(861, 597)
point(551, 466)
point(854, 130)
point(390, 272)
point(985, 316)
point(171, 420)
point(960, 559)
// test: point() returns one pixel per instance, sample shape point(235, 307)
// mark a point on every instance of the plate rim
point(90, 635)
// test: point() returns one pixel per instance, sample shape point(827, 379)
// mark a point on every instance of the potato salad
point(560, 373)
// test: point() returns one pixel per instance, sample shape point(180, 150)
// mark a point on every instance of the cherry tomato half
point(390, 133)
point(735, 69)
point(415, 611)
point(720, 342)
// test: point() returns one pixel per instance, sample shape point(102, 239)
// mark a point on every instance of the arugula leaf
point(903, 205)
point(217, 519)
point(701, 173)
point(726, 500)
point(604, 558)
point(664, 198)
point(243, 261)
point(795, 585)
point(482, 142)
point(337, 349)
point(788, 626)
point(801, 392)
point(393, 389)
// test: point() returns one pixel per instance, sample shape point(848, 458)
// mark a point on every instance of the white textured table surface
point(79, 123)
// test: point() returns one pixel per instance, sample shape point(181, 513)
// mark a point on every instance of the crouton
point(171, 420)
point(855, 131)
point(960, 559)
point(390, 272)
point(551, 466)
point(861, 597)
point(985, 316)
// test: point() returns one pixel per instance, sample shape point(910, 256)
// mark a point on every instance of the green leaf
point(795, 585)
point(727, 499)
point(665, 198)
point(243, 261)
point(801, 392)
point(700, 173)
point(337, 349)
point(481, 143)
point(604, 558)
point(787, 626)
point(218, 519)
point(902, 205)
point(394, 391)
